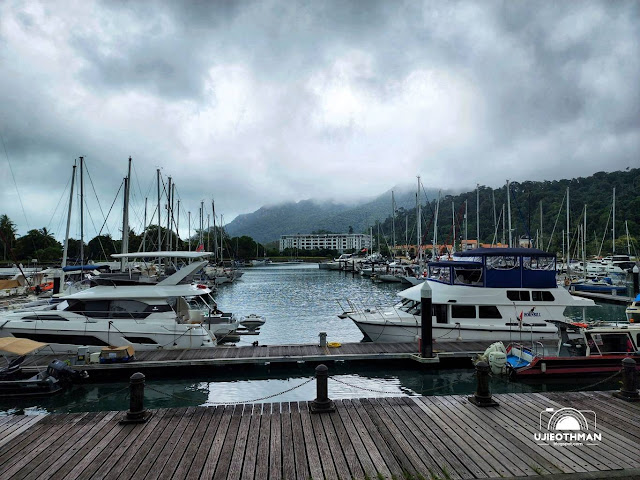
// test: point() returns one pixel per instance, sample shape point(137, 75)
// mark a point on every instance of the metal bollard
point(629, 389)
point(323, 339)
point(136, 413)
point(322, 403)
point(482, 397)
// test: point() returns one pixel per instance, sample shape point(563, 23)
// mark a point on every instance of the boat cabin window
point(414, 308)
point(612, 342)
point(91, 308)
point(441, 274)
point(539, 263)
point(127, 309)
point(542, 296)
point(518, 295)
point(463, 311)
point(502, 262)
point(467, 275)
point(488, 311)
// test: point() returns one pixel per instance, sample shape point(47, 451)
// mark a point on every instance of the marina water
point(299, 301)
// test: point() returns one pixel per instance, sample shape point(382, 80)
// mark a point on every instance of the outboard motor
point(64, 373)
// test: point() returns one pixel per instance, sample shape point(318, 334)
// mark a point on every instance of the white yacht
point(493, 294)
point(166, 315)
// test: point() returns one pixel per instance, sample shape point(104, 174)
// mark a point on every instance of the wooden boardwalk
point(267, 354)
point(404, 437)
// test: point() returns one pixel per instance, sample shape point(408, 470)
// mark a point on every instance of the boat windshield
point(502, 262)
point(539, 263)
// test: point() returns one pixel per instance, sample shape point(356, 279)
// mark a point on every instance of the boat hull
point(591, 365)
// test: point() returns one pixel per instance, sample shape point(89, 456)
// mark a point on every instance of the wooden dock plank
point(288, 455)
point(213, 455)
point(17, 428)
point(262, 460)
point(238, 453)
point(387, 461)
point(476, 440)
point(251, 451)
point(59, 454)
point(229, 444)
point(326, 457)
point(116, 450)
point(433, 447)
point(166, 446)
point(299, 450)
point(311, 445)
point(199, 458)
point(186, 439)
point(337, 449)
point(275, 443)
point(345, 442)
point(30, 458)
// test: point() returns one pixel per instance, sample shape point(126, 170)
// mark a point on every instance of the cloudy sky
point(255, 103)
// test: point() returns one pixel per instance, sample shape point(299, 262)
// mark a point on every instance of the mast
point(215, 235)
point(626, 227)
point(495, 219)
point(568, 243)
point(208, 232)
point(173, 196)
point(435, 230)
point(466, 225)
point(189, 229)
point(613, 231)
point(81, 211)
point(144, 235)
point(66, 237)
point(178, 227)
point(393, 220)
point(169, 215)
point(509, 213)
point(503, 227)
point(584, 243)
point(125, 218)
point(541, 244)
point(159, 216)
point(453, 220)
point(478, 214)
point(419, 224)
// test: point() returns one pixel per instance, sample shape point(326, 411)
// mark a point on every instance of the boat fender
point(497, 362)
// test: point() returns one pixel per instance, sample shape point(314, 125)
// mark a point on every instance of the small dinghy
point(252, 322)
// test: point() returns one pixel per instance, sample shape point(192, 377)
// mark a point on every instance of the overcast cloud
point(255, 103)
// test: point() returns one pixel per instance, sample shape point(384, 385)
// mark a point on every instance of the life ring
point(334, 344)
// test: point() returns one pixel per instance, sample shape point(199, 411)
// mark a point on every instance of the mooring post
point(322, 403)
point(136, 413)
point(636, 283)
point(482, 397)
point(323, 339)
point(426, 329)
point(629, 389)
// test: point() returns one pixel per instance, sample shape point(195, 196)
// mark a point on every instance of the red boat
point(581, 350)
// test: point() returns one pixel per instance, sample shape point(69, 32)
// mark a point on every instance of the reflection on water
point(299, 301)
point(262, 385)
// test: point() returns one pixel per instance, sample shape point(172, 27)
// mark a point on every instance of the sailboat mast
point(568, 242)
point(435, 230)
point(419, 224)
point(541, 244)
point(178, 227)
point(453, 222)
point(189, 229)
point(466, 225)
point(81, 211)
point(626, 227)
point(509, 212)
point(393, 220)
point(125, 218)
point(215, 236)
point(613, 231)
point(478, 214)
point(159, 216)
point(66, 237)
point(144, 234)
point(169, 215)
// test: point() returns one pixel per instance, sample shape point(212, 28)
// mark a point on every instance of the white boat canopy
point(142, 292)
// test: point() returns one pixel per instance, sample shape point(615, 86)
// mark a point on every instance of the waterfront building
point(330, 241)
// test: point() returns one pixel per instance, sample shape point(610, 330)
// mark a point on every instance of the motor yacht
point(488, 294)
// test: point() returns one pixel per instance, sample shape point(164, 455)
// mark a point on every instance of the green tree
point(7, 234)
point(34, 241)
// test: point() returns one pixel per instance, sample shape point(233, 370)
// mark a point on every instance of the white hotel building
point(329, 241)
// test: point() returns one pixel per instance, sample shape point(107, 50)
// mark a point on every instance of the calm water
point(299, 301)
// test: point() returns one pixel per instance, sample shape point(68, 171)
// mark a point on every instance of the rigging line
point(109, 213)
point(520, 215)
point(24, 213)
point(59, 200)
point(556, 222)
point(96, 194)
point(98, 237)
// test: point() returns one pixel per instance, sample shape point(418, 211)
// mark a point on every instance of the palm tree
point(7, 234)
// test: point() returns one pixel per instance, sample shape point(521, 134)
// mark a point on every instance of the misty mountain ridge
point(268, 223)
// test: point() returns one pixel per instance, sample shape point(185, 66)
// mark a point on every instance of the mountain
point(270, 222)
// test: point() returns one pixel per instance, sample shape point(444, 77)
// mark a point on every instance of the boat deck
point(403, 437)
point(605, 297)
point(267, 354)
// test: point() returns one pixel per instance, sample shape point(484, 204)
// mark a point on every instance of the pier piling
point(426, 328)
point(636, 286)
point(482, 397)
point(137, 412)
point(629, 389)
point(322, 403)
point(323, 339)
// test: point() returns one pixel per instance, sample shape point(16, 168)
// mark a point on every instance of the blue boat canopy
point(75, 268)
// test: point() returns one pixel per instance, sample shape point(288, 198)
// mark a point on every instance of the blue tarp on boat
point(74, 268)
